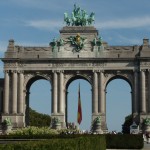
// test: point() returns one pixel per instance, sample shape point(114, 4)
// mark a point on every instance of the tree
point(38, 119)
point(126, 124)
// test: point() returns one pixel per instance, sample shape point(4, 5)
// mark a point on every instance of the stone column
point(61, 93)
point(66, 106)
point(105, 92)
point(101, 106)
point(135, 93)
point(14, 92)
point(27, 109)
point(6, 94)
point(54, 99)
point(148, 91)
point(142, 86)
point(21, 94)
point(95, 93)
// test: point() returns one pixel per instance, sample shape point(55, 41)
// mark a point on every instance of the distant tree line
point(38, 119)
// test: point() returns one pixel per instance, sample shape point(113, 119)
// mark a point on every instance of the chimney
point(145, 42)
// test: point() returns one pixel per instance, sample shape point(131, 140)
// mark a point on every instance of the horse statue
point(91, 18)
point(73, 19)
point(67, 19)
point(84, 18)
point(76, 11)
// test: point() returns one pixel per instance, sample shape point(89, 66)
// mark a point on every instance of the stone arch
point(78, 76)
point(31, 78)
point(125, 77)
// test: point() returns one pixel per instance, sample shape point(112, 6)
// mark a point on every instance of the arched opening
point(72, 102)
point(118, 102)
point(38, 97)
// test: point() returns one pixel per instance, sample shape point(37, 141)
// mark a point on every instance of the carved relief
point(78, 65)
point(128, 76)
point(67, 77)
point(29, 76)
point(10, 65)
point(146, 64)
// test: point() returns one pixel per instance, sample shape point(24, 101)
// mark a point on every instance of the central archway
point(72, 101)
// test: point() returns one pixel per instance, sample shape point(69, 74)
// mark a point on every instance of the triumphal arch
point(79, 52)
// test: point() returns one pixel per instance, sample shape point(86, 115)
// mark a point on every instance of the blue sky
point(37, 22)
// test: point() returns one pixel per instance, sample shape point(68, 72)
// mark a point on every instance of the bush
point(34, 131)
point(126, 125)
point(79, 142)
point(124, 141)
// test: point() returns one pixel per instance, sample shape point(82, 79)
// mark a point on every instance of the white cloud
point(125, 23)
point(3, 46)
point(45, 24)
point(29, 43)
point(39, 4)
point(110, 24)
point(123, 39)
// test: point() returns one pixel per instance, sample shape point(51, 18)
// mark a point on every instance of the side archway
point(28, 95)
point(119, 101)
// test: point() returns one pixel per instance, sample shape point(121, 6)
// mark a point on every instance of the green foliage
point(81, 142)
point(124, 141)
point(74, 142)
point(7, 122)
point(38, 119)
point(68, 131)
point(146, 121)
point(95, 122)
point(31, 130)
point(126, 125)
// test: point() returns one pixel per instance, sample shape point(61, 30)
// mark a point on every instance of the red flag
point(79, 116)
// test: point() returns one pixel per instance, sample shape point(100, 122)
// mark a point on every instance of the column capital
point(21, 71)
point(54, 71)
point(143, 70)
point(101, 71)
point(95, 71)
point(6, 71)
point(60, 71)
point(14, 71)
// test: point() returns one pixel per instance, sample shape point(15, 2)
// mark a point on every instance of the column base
point(61, 117)
point(16, 119)
point(103, 121)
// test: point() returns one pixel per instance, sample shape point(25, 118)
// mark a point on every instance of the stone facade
point(60, 64)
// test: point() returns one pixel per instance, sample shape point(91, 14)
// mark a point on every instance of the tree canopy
point(38, 119)
point(126, 124)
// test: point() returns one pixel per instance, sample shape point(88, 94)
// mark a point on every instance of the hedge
point(124, 141)
point(74, 142)
point(92, 142)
